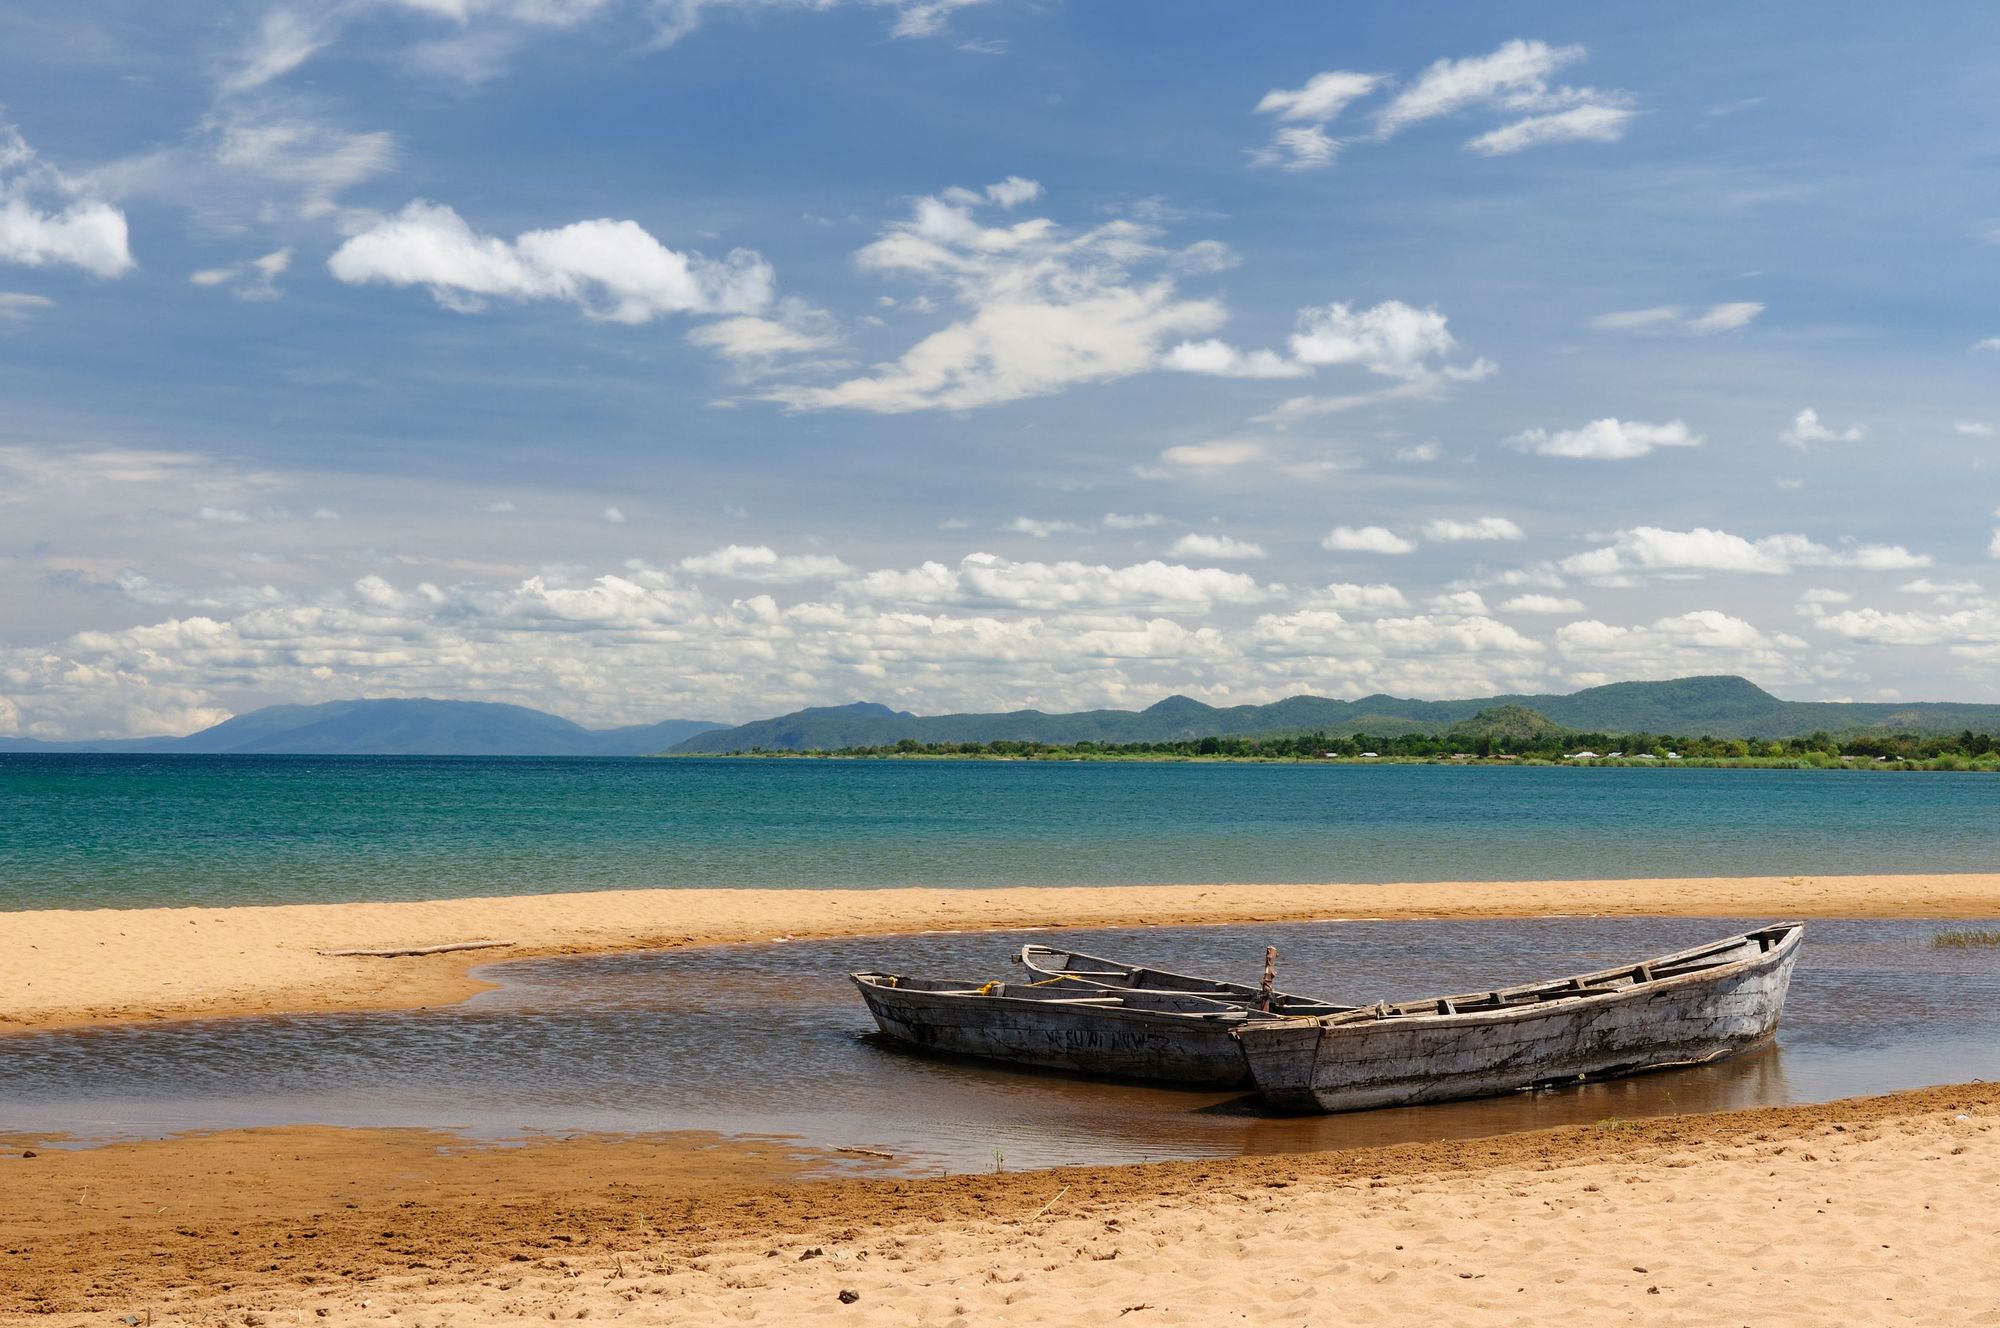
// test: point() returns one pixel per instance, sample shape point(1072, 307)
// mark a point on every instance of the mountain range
point(397, 728)
point(1723, 707)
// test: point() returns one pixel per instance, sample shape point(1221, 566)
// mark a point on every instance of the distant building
point(1582, 756)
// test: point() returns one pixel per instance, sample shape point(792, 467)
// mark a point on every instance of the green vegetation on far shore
point(1504, 735)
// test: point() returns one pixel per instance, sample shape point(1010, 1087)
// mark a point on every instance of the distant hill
point(1723, 707)
point(398, 728)
point(1514, 722)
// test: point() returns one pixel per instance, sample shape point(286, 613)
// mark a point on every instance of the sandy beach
point(1865, 1211)
point(68, 968)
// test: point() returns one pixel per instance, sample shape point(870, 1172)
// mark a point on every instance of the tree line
point(1966, 750)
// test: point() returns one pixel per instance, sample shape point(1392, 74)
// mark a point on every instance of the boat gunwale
point(1364, 1020)
point(1110, 1003)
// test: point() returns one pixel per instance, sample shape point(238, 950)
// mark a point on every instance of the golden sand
point(1873, 1211)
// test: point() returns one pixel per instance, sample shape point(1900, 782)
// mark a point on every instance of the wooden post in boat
point(1270, 977)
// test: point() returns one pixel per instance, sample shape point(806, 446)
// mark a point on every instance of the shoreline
point(1788, 1214)
point(63, 968)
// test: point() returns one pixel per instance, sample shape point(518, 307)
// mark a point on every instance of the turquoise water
point(92, 831)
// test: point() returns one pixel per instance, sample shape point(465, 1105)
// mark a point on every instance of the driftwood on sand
point(400, 952)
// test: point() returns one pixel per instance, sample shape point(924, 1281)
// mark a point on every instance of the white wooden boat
point(1177, 1037)
point(1077, 969)
point(1686, 1008)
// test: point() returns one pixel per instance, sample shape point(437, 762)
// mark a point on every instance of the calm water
point(131, 830)
point(773, 1040)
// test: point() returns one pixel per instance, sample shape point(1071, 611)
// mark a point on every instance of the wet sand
point(1866, 1211)
point(68, 968)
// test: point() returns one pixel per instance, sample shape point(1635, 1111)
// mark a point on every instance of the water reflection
point(772, 1040)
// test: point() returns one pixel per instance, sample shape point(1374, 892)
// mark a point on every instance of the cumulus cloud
point(611, 270)
point(1973, 428)
point(1450, 530)
point(1042, 308)
point(1541, 604)
point(1704, 641)
point(1671, 318)
point(44, 222)
point(985, 579)
point(758, 562)
point(1132, 520)
point(1214, 546)
point(1392, 339)
point(1651, 550)
point(1223, 360)
point(1607, 439)
point(1806, 429)
point(1365, 539)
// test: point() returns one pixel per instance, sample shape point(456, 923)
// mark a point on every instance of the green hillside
point(1719, 706)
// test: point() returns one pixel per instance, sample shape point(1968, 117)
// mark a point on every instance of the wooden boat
point(1076, 968)
point(1178, 1037)
point(1686, 1008)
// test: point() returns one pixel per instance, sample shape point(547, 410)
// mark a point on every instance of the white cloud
point(1978, 625)
point(1132, 521)
point(1825, 595)
point(1449, 530)
point(1365, 539)
point(1513, 79)
point(1704, 641)
point(1027, 525)
point(1669, 318)
point(612, 270)
point(1725, 317)
point(757, 562)
point(1218, 455)
point(1599, 122)
point(984, 579)
point(1607, 439)
point(1973, 428)
point(614, 516)
point(1419, 453)
point(799, 329)
point(1649, 549)
point(255, 279)
point(1043, 309)
point(19, 307)
point(1323, 97)
point(1806, 430)
point(1349, 597)
point(1226, 361)
point(1541, 604)
point(1987, 343)
point(1392, 339)
point(1214, 546)
point(1300, 142)
point(82, 232)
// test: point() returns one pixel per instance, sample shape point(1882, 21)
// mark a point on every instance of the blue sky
point(634, 359)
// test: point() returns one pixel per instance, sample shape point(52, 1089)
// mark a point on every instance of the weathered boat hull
point(1402, 1058)
point(1054, 1034)
point(1085, 970)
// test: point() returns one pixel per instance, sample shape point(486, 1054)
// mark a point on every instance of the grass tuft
point(1964, 940)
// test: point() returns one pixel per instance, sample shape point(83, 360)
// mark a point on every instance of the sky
point(636, 359)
